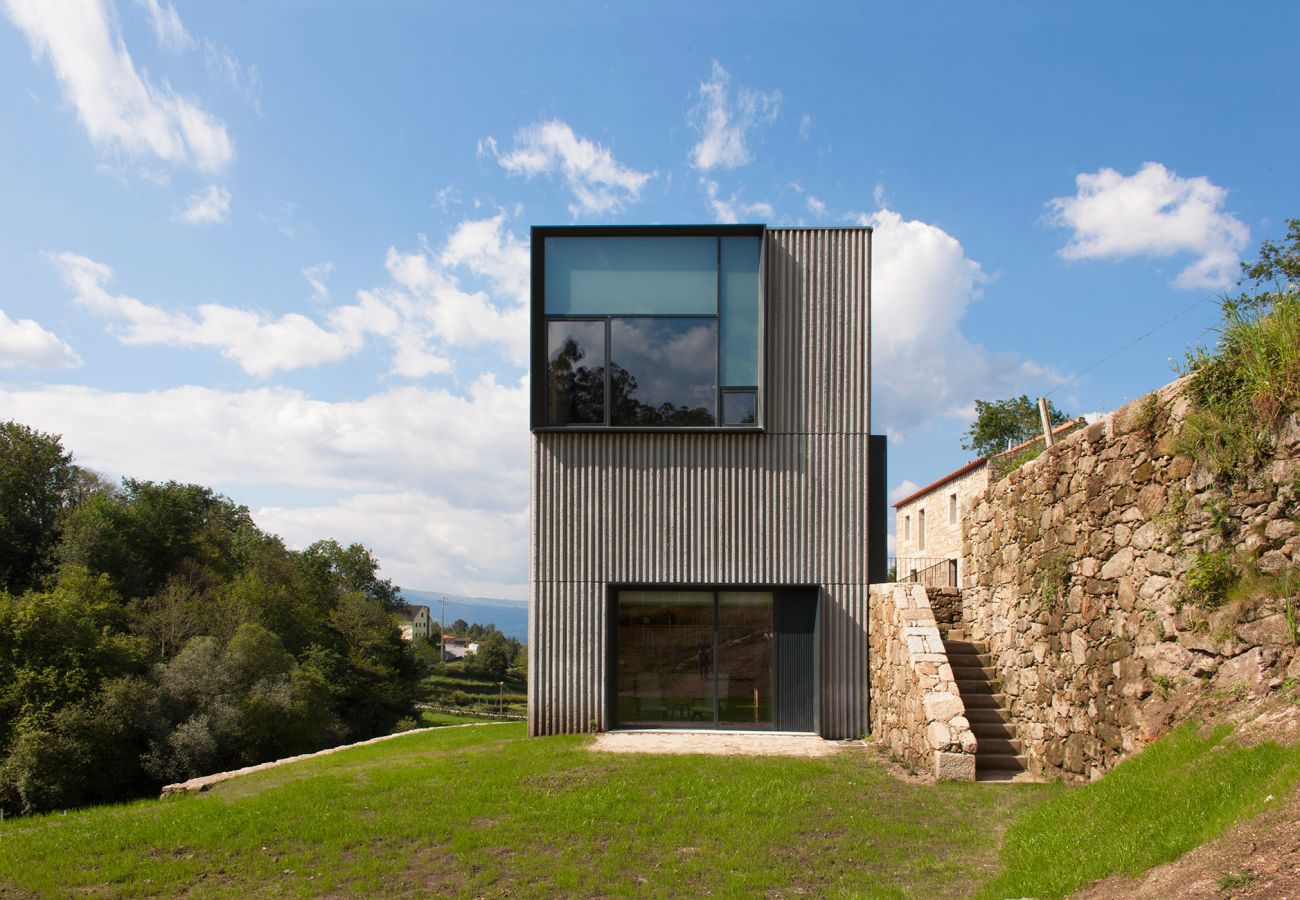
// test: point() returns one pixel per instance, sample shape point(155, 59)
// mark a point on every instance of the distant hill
point(509, 616)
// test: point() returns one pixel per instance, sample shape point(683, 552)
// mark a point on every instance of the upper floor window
point(647, 328)
point(920, 529)
point(952, 509)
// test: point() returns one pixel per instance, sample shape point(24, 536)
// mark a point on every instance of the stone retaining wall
point(916, 709)
point(1078, 582)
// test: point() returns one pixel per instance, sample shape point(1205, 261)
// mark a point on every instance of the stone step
point(983, 701)
point(979, 685)
point(970, 660)
point(994, 731)
point(972, 673)
point(988, 716)
point(992, 746)
point(999, 762)
point(965, 646)
point(956, 634)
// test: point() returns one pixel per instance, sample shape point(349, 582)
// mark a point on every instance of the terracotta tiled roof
point(975, 464)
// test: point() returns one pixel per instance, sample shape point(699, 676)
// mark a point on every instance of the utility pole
point(1047, 420)
point(501, 699)
point(442, 633)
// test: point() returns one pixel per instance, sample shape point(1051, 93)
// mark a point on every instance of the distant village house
point(414, 622)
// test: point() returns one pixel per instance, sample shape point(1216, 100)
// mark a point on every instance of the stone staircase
point(1000, 755)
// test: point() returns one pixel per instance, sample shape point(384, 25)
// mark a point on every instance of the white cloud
point(906, 489)
point(599, 184)
point(723, 125)
point(436, 483)
point(815, 205)
point(244, 79)
point(167, 25)
point(317, 276)
point(210, 206)
point(261, 344)
point(435, 312)
point(24, 344)
point(732, 209)
point(120, 109)
point(1153, 213)
point(922, 365)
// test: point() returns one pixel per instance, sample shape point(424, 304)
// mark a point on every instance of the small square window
point(739, 407)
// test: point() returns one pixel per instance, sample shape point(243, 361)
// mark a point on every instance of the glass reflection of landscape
point(739, 408)
point(681, 653)
point(663, 372)
point(575, 373)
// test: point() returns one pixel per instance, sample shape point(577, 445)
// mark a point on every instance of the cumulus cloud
point(724, 125)
point(120, 108)
point(261, 344)
point(1153, 213)
point(167, 26)
point(210, 206)
point(904, 489)
point(425, 311)
point(24, 344)
point(598, 182)
point(436, 311)
point(732, 209)
point(922, 365)
point(435, 482)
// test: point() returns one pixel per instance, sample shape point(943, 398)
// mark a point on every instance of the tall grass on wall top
point(1243, 387)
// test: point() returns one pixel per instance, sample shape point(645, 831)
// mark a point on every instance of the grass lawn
point(484, 811)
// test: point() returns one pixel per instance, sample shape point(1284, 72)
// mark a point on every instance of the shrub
point(1209, 578)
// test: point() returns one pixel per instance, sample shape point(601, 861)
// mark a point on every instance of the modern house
point(707, 501)
point(414, 621)
point(927, 522)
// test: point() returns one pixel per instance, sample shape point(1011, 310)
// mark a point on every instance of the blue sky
point(280, 247)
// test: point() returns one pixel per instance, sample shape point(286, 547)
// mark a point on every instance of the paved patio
point(721, 743)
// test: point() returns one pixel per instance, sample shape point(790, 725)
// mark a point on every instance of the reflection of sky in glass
point(575, 373)
point(739, 408)
point(739, 310)
point(642, 275)
point(674, 362)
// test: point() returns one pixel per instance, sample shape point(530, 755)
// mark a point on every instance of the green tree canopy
point(1002, 423)
point(36, 480)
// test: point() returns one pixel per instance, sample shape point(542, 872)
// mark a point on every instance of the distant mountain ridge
point(509, 616)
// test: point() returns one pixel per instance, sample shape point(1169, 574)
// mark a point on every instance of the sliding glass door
point(691, 659)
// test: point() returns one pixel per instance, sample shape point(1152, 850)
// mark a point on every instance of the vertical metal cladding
point(788, 506)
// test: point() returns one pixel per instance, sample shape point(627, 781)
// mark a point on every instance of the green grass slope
point(484, 811)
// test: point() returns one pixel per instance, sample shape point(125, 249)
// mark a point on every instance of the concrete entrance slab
point(720, 743)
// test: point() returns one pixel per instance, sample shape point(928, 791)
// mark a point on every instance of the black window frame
point(537, 344)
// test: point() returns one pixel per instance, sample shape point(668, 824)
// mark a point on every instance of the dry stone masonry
point(916, 710)
point(1078, 581)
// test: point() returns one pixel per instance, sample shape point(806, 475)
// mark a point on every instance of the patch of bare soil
point(1257, 858)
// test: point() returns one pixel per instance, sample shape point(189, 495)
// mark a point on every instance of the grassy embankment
point(482, 810)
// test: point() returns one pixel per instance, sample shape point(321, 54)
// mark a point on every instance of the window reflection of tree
point(625, 409)
point(577, 391)
point(577, 395)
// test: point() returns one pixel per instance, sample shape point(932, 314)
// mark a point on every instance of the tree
point(999, 423)
point(36, 477)
point(493, 657)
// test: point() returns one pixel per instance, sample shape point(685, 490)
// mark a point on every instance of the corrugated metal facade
point(786, 507)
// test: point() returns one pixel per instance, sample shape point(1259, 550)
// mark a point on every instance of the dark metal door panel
point(795, 660)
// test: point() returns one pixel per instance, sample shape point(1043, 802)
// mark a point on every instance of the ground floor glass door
point(691, 659)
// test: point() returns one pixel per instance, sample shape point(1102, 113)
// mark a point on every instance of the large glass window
point(663, 372)
point(687, 658)
point(649, 331)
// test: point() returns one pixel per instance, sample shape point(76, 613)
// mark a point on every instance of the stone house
point(414, 622)
point(927, 522)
